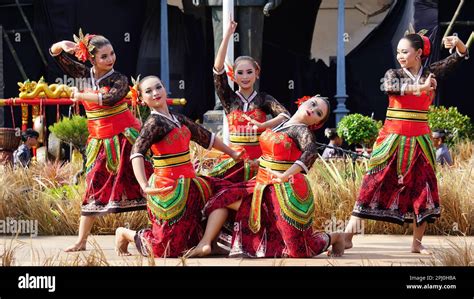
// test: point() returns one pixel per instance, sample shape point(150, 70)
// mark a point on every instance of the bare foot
point(419, 248)
point(76, 247)
point(201, 250)
point(338, 244)
point(121, 242)
point(348, 241)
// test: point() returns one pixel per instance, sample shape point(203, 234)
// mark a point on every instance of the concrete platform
point(369, 250)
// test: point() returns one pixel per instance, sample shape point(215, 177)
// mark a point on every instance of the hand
point(75, 94)
point(155, 191)
point(430, 83)
point(451, 42)
point(232, 26)
point(256, 124)
point(237, 155)
point(277, 177)
point(68, 46)
point(254, 164)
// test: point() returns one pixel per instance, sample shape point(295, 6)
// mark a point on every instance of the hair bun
point(426, 46)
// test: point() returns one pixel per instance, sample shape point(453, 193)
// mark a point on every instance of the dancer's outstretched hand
point(451, 42)
point(232, 26)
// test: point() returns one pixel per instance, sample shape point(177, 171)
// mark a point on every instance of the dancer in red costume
point(176, 195)
point(275, 210)
point(240, 106)
point(111, 186)
point(401, 185)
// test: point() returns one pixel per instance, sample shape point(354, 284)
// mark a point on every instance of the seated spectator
point(442, 152)
point(22, 156)
point(335, 141)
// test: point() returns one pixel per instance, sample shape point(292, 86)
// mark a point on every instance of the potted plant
point(458, 125)
point(359, 130)
point(73, 131)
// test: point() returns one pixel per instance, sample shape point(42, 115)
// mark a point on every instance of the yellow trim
point(172, 160)
point(243, 138)
point(275, 165)
point(106, 112)
point(407, 114)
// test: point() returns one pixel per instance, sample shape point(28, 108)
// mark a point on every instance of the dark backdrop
point(286, 51)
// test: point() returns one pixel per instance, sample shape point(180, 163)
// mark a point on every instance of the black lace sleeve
point(391, 82)
point(305, 141)
point(445, 66)
point(119, 88)
point(152, 131)
point(223, 90)
point(273, 107)
point(70, 66)
point(199, 134)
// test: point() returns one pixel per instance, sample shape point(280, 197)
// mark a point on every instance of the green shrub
point(72, 130)
point(358, 129)
point(458, 125)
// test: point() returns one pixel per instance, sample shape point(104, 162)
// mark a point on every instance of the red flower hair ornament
point(134, 91)
point(303, 99)
point(230, 72)
point(84, 48)
point(426, 43)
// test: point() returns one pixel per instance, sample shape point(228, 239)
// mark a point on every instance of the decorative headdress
point(230, 72)
point(134, 91)
point(426, 43)
point(84, 48)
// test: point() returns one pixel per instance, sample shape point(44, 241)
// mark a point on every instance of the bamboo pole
point(451, 24)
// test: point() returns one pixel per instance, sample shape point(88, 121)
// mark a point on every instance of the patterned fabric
point(231, 101)
point(405, 146)
point(394, 78)
point(157, 128)
point(277, 238)
point(169, 205)
point(383, 196)
point(401, 185)
point(117, 83)
point(173, 237)
point(256, 107)
point(111, 192)
point(111, 186)
point(175, 214)
point(275, 220)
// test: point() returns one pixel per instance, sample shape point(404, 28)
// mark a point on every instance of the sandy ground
point(369, 250)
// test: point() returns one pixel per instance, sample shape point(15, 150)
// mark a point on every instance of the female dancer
point(111, 186)
point(276, 210)
point(241, 105)
point(176, 195)
point(401, 185)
